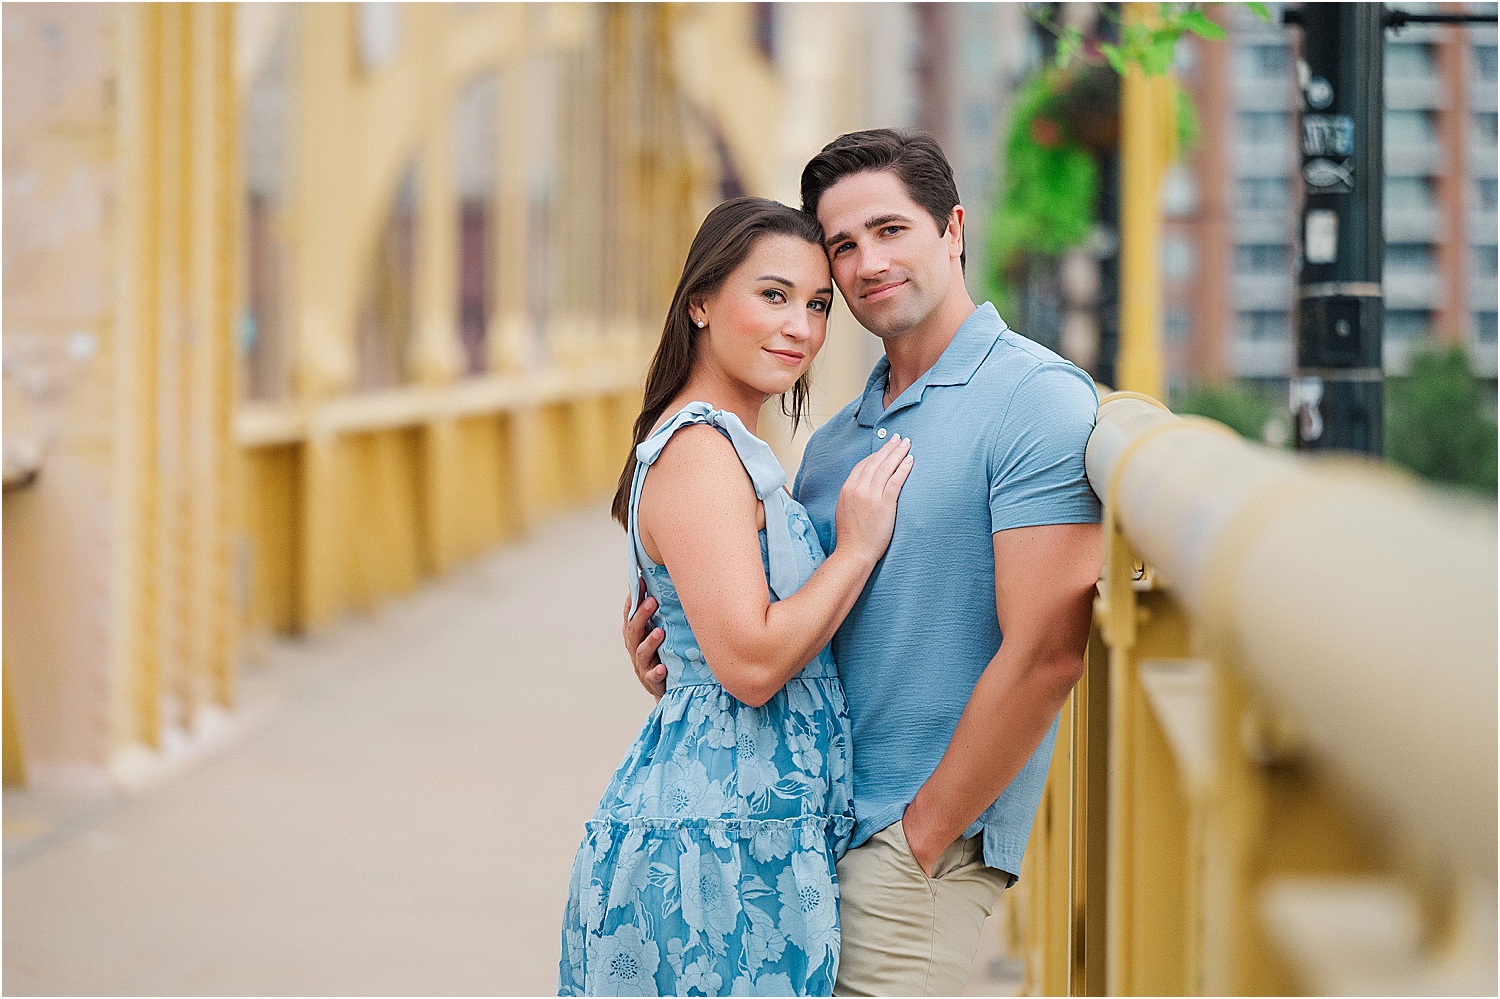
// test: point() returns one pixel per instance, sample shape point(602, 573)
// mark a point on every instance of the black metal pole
point(1337, 386)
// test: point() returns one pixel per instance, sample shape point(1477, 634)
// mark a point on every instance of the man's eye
point(842, 247)
point(890, 230)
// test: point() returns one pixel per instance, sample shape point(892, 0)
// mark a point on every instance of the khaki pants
point(905, 934)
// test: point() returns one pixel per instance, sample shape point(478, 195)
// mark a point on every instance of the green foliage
point(1152, 47)
point(1244, 410)
point(1435, 422)
point(1051, 181)
point(1051, 177)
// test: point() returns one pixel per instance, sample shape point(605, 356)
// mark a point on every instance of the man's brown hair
point(914, 157)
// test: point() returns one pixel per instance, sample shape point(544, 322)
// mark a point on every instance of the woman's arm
point(699, 517)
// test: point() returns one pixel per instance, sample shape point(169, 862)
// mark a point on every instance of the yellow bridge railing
point(1278, 775)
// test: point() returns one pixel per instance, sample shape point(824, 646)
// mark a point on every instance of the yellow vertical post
point(228, 227)
point(141, 125)
point(323, 305)
point(14, 759)
point(1147, 145)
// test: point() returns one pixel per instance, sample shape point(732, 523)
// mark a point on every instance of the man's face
point(889, 259)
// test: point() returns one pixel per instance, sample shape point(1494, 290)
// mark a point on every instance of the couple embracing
point(859, 679)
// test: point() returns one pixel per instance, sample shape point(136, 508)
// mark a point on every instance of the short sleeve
point(1036, 470)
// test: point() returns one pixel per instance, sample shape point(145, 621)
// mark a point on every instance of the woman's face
point(766, 324)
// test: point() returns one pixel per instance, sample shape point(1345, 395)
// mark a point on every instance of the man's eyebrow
point(880, 220)
point(872, 223)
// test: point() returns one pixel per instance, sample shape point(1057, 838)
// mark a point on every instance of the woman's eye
point(773, 296)
point(818, 305)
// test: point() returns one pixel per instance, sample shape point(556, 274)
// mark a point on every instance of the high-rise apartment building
point(1231, 242)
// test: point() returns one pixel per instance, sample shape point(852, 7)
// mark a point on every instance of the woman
point(708, 867)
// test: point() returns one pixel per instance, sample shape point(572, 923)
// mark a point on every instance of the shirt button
point(880, 433)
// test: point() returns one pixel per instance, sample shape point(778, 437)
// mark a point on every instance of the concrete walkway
point(398, 816)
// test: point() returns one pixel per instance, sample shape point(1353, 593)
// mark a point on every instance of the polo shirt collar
point(972, 343)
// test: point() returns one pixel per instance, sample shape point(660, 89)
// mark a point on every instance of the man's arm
point(1044, 593)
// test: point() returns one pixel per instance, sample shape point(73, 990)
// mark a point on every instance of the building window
point(476, 167)
point(544, 142)
point(1486, 127)
point(1409, 60)
point(1407, 324)
point(1486, 67)
point(1406, 193)
point(1252, 61)
point(1261, 194)
point(1264, 127)
point(1409, 257)
point(1484, 192)
point(267, 129)
point(387, 313)
point(1484, 327)
point(1486, 260)
point(1270, 258)
point(1177, 324)
point(1177, 260)
point(1409, 128)
point(1262, 326)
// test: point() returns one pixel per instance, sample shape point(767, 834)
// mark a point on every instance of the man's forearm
point(1012, 707)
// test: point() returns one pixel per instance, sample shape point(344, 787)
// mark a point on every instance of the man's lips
point(881, 291)
point(788, 356)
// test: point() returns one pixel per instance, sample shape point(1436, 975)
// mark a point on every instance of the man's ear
point(955, 232)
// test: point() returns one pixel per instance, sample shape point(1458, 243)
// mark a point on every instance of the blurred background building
point(307, 304)
point(1230, 251)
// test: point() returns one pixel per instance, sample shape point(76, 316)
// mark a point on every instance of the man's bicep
point(1036, 467)
point(1044, 582)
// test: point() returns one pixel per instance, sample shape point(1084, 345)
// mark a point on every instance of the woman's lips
point(786, 356)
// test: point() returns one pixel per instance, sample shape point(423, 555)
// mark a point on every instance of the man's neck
point(912, 353)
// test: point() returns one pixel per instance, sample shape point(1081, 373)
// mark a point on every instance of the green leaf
point(1260, 11)
point(1156, 59)
point(1198, 24)
point(1115, 57)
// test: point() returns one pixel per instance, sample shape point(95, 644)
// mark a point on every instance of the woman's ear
point(696, 315)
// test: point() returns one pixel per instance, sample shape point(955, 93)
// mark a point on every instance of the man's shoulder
point(1020, 367)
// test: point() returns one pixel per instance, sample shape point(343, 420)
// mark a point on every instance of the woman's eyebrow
point(777, 278)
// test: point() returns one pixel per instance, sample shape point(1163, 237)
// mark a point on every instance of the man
point(971, 631)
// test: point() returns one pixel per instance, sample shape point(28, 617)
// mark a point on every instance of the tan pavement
point(393, 812)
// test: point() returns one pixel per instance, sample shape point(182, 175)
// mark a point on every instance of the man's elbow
point(1059, 672)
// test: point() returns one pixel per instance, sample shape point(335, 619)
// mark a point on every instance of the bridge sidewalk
point(395, 814)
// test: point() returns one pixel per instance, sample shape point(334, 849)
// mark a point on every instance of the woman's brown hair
point(724, 240)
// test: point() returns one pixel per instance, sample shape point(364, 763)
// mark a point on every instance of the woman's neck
point(721, 393)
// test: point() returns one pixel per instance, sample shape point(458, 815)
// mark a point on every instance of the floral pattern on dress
point(709, 867)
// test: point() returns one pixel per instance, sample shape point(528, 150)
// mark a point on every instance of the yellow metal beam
point(1148, 136)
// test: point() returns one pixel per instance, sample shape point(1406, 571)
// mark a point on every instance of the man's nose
point(872, 264)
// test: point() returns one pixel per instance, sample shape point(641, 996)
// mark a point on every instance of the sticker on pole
point(1324, 176)
point(1320, 243)
point(1327, 135)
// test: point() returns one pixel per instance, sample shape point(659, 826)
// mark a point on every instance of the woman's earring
point(699, 322)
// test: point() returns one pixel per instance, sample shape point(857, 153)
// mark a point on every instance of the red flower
point(1046, 133)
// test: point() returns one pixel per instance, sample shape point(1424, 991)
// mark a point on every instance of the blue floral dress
point(708, 868)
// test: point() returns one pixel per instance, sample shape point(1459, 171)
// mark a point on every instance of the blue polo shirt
point(998, 427)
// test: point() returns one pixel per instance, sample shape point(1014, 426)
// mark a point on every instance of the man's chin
point(885, 323)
